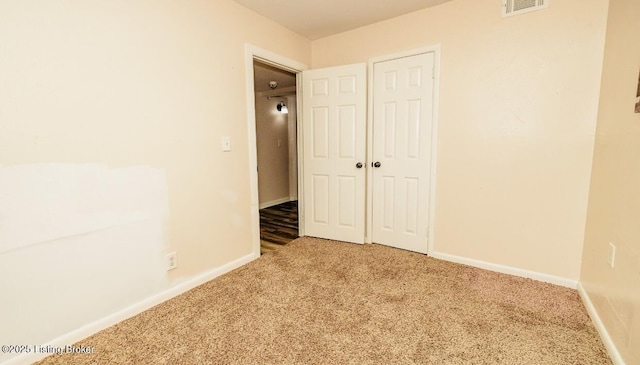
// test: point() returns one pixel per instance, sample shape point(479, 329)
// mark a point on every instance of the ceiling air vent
point(517, 7)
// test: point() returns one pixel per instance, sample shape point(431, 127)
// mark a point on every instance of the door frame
point(255, 53)
point(435, 49)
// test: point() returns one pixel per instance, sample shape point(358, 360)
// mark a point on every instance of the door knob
point(376, 164)
point(359, 165)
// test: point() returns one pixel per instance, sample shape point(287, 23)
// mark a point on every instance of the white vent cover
point(517, 7)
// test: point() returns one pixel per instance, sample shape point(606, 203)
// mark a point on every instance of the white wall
point(76, 242)
point(614, 201)
point(111, 119)
point(517, 114)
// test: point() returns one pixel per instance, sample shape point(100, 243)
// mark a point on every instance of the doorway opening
point(277, 158)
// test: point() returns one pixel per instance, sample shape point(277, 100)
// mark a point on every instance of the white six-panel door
point(402, 129)
point(334, 135)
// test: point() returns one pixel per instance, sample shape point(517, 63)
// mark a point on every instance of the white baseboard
point(274, 202)
point(569, 283)
point(134, 309)
point(602, 330)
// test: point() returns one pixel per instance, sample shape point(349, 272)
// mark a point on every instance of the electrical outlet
point(612, 255)
point(226, 144)
point(172, 261)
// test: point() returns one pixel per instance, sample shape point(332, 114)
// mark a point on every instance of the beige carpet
point(322, 302)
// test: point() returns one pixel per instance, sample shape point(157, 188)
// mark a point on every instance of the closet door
point(402, 129)
point(334, 135)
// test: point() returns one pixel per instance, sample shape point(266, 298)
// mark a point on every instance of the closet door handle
point(376, 164)
point(359, 165)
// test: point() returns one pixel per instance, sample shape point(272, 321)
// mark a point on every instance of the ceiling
point(265, 73)
point(316, 19)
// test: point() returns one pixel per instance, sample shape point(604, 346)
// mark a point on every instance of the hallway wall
point(272, 130)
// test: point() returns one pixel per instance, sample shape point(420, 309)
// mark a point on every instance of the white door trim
point(252, 53)
point(435, 49)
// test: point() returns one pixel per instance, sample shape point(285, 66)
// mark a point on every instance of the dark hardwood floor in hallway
point(278, 226)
